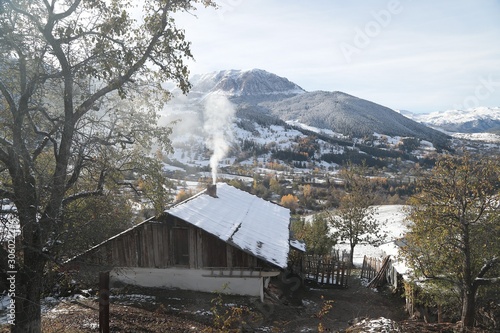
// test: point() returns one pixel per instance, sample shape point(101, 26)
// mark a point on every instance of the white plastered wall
point(238, 283)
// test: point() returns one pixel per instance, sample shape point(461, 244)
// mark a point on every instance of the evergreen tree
point(316, 234)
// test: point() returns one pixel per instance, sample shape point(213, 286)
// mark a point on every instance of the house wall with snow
point(214, 239)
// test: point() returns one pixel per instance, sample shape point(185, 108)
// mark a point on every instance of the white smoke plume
point(219, 115)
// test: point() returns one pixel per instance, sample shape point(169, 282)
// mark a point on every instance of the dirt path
point(303, 314)
point(358, 302)
point(159, 310)
point(347, 306)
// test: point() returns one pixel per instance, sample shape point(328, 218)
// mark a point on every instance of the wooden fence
point(340, 256)
point(327, 271)
point(371, 266)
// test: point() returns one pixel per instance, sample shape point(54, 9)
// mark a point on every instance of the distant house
point(220, 237)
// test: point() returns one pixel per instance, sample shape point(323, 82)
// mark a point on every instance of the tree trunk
point(28, 294)
point(30, 271)
point(469, 292)
point(351, 255)
point(468, 308)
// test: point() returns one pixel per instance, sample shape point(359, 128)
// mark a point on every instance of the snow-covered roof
point(254, 225)
point(298, 245)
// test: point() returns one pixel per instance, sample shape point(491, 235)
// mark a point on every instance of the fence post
point(318, 263)
point(363, 268)
point(103, 302)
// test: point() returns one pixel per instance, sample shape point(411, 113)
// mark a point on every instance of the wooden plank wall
point(215, 252)
point(153, 244)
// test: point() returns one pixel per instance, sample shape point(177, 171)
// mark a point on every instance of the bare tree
point(80, 84)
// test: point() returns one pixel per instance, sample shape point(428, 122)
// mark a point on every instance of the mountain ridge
point(274, 120)
point(255, 83)
point(350, 115)
point(258, 93)
point(265, 94)
point(475, 120)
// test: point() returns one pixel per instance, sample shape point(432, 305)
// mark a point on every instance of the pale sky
point(419, 55)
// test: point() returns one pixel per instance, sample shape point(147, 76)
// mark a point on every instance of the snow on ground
point(171, 168)
point(189, 147)
point(392, 220)
point(221, 175)
point(4, 304)
point(391, 140)
point(325, 131)
point(131, 299)
point(53, 307)
point(486, 137)
point(458, 116)
point(190, 150)
point(380, 325)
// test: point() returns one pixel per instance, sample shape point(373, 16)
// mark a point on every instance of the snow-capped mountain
point(350, 115)
point(275, 119)
point(257, 93)
point(255, 84)
point(476, 120)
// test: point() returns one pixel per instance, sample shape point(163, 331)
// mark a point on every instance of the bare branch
point(82, 195)
point(76, 171)
point(128, 184)
point(486, 267)
point(20, 11)
point(486, 281)
point(60, 16)
point(4, 156)
point(7, 96)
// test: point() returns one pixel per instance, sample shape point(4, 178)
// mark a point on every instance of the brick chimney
point(212, 190)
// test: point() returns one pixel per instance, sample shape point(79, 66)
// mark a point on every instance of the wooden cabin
point(220, 238)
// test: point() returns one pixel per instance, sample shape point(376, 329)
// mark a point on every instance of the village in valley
point(143, 191)
point(255, 225)
point(243, 251)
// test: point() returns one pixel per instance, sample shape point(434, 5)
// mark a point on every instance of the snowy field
point(391, 218)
